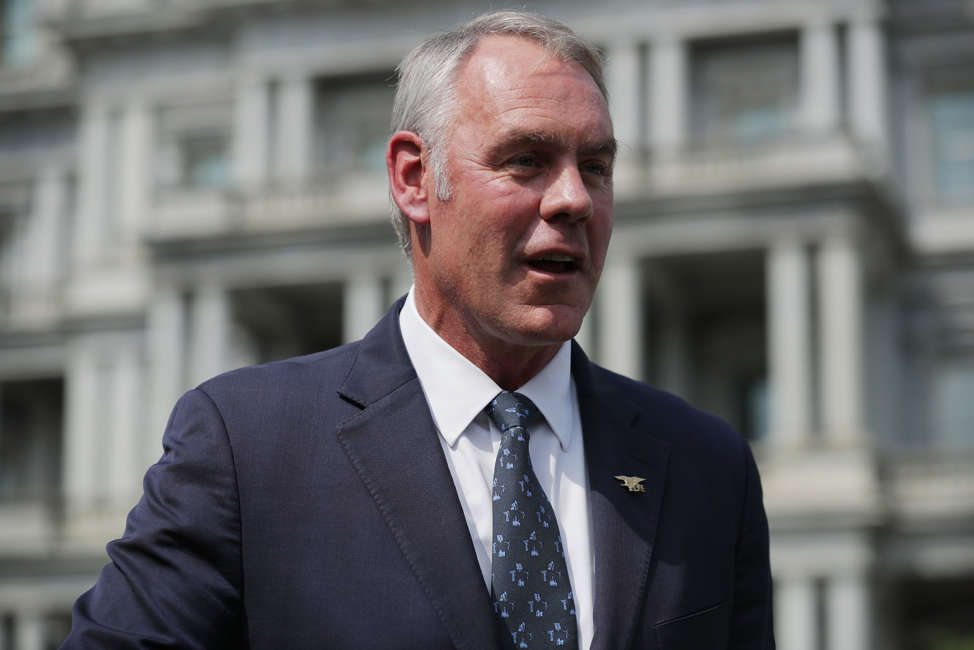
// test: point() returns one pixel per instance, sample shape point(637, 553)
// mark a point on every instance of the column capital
point(667, 39)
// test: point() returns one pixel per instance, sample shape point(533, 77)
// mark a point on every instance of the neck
point(510, 365)
point(517, 366)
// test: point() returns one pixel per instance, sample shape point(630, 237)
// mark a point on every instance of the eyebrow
point(607, 147)
point(518, 138)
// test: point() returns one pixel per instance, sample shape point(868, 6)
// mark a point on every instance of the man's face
point(515, 253)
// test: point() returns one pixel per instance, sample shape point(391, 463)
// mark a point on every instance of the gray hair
point(426, 92)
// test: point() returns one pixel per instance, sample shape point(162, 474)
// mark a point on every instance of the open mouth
point(554, 263)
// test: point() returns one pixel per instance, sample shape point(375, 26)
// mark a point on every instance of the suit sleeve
point(175, 577)
point(752, 625)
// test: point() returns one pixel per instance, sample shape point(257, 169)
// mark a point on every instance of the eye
point(525, 160)
point(596, 168)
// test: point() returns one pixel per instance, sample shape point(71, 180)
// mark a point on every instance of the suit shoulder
point(318, 371)
point(670, 417)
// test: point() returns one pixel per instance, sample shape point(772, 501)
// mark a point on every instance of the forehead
point(509, 79)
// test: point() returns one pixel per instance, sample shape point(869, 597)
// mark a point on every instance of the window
point(16, 31)
point(30, 440)
point(744, 89)
point(953, 404)
point(286, 321)
point(756, 407)
point(194, 146)
point(204, 159)
point(352, 123)
point(952, 117)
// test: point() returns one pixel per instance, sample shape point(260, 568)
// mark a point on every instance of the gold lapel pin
point(632, 483)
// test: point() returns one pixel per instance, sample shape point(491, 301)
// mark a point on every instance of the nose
point(566, 196)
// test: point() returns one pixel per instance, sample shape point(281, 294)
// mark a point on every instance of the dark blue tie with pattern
point(530, 589)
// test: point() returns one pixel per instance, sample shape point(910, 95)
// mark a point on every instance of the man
point(395, 492)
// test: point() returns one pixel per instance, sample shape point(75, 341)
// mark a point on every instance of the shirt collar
point(441, 370)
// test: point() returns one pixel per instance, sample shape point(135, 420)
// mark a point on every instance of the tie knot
point(512, 410)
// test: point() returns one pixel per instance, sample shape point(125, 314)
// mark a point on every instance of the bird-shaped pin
point(632, 483)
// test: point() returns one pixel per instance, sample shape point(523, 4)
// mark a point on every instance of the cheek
point(599, 235)
point(497, 237)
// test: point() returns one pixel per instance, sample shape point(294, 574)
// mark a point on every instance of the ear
point(405, 160)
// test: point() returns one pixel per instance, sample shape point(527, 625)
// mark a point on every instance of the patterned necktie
point(530, 589)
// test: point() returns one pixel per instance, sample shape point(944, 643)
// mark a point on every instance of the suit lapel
point(623, 523)
point(392, 444)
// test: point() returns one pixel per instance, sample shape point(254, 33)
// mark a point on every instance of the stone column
point(820, 77)
point(210, 332)
point(80, 430)
point(362, 305)
point(402, 280)
point(251, 133)
point(621, 327)
point(867, 82)
point(848, 613)
point(166, 357)
point(33, 282)
point(795, 613)
point(125, 457)
point(841, 321)
point(93, 166)
point(623, 83)
point(789, 344)
point(673, 363)
point(295, 129)
point(133, 170)
point(29, 630)
point(47, 221)
point(668, 95)
point(585, 336)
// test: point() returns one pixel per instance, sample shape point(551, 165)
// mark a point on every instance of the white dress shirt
point(457, 392)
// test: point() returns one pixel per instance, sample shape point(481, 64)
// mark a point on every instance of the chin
point(553, 324)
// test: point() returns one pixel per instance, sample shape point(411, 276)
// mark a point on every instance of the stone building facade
point(188, 186)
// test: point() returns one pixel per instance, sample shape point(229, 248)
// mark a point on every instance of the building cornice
point(85, 25)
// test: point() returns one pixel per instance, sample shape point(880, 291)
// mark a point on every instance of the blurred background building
point(192, 185)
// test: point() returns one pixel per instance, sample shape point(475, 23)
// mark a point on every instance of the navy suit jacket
point(308, 504)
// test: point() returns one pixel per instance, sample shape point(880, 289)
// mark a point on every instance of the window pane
point(955, 405)
point(31, 422)
point(16, 31)
point(352, 124)
point(205, 162)
point(193, 146)
point(953, 128)
point(744, 89)
point(756, 408)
